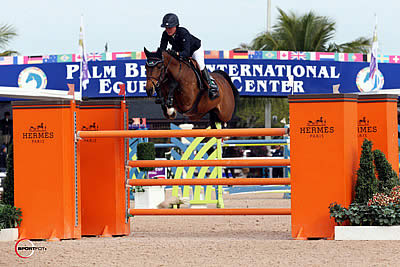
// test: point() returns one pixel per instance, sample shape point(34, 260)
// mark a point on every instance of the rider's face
point(170, 31)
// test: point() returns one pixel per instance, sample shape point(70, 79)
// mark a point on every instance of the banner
point(252, 77)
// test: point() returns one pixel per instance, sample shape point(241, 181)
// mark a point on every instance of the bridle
point(153, 62)
point(164, 69)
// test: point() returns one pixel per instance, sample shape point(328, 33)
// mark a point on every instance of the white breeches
point(198, 55)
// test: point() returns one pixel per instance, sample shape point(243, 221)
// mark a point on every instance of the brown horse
point(182, 90)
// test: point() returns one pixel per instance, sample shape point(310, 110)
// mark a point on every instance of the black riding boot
point(213, 91)
point(158, 97)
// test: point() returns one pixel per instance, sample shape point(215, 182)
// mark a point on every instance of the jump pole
point(221, 181)
point(184, 133)
point(215, 162)
point(166, 212)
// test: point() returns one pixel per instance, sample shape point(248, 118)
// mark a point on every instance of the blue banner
point(255, 77)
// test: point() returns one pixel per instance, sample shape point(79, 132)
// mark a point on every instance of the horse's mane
point(173, 54)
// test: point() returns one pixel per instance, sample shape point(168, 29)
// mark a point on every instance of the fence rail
point(185, 133)
point(215, 162)
point(247, 211)
point(220, 181)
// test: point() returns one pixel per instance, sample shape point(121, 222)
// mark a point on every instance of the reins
point(161, 78)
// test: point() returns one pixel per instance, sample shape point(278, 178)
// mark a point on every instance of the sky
point(52, 26)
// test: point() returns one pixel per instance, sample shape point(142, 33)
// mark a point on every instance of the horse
point(183, 89)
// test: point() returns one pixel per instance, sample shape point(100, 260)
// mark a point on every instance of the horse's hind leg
point(214, 120)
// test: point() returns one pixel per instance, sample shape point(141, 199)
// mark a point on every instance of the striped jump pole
point(221, 181)
point(180, 212)
point(215, 162)
point(184, 133)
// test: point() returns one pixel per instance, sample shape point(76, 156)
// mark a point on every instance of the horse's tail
point(234, 89)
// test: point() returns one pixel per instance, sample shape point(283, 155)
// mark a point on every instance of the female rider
point(186, 45)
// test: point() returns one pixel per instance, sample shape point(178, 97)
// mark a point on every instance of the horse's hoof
point(170, 111)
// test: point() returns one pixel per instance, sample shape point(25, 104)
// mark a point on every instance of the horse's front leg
point(170, 100)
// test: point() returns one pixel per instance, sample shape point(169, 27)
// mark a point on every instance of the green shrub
point(10, 217)
point(146, 151)
point(366, 184)
point(364, 215)
point(377, 201)
point(387, 176)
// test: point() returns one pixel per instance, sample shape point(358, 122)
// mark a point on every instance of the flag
point(71, 89)
point(33, 60)
point(142, 123)
point(358, 57)
point(76, 58)
point(283, 55)
point(394, 59)
point(211, 54)
point(94, 56)
point(6, 60)
point(382, 59)
point(269, 55)
point(136, 121)
point(121, 55)
point(343, 57)
point(312, 55)
point(84, 64)
point(138, 55)
point(142, 55)
point(106, 56)
point(225, 54)
point(50, 59)
point(255, 54)
point(238, 54)
point(298, 55)
point(373, 65)
point(325, 56)
point(64, 58)
point(121, 89)
point(335, 88)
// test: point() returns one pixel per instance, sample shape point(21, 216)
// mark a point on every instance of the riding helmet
point(170, 20)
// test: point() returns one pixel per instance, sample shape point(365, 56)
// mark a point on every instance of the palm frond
point(308, 32)
point(7, 32)
point(8, 53)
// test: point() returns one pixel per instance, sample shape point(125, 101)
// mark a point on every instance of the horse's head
point(34, 80)
point(155, 70)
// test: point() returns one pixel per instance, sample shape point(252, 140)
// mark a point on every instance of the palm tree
point(7, 32)
point(293, 33)
point(305, 33)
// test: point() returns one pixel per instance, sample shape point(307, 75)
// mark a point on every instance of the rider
point(186, 45)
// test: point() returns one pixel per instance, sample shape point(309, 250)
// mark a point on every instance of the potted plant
point(374, 213)
point(147, 196)
point(10, 219)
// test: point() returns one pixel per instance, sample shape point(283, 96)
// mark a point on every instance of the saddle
point(192, 63)
point(196, 69)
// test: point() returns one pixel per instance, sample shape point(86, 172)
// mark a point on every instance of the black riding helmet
point(170, 20)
